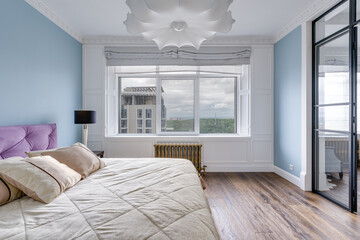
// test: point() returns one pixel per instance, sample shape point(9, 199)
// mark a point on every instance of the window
point(136, 94)
point(148, 113)
point(179, 98)
point(217, 105)
point(123, 113)
point(123, 123)
point(148, 123)
point(139, 113)
point(183, 100)
point(139, 123)
point(163, 111)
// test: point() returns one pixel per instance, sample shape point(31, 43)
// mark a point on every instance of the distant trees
point(180, 125)
point(210, 125)
point(207, 125)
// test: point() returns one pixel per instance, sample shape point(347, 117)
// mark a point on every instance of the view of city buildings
point(138, 115)
point(192, 99)
point(138, 110)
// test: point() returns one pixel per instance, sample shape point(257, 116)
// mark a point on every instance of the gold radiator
point(190, 151)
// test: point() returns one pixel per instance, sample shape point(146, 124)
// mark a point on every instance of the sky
point(216, 96)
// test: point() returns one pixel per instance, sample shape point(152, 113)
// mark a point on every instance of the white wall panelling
point(262, 121)
point(220, 153)
point(94, 92)
point(129, 149)
point(262, 57)
point(223, 151)
point(94, 101)
point(261, 150)
point(96, 145)
point(93, 75)
point(262, 108)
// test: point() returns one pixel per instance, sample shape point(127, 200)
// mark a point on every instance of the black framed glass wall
point(334, 104)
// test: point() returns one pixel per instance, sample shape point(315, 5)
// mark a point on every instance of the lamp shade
point(84, 117)
point(178, 22)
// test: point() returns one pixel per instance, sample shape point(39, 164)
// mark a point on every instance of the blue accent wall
point(40, 71)
point(287, 102)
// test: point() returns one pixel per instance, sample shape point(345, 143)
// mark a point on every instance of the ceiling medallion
point(178, 22)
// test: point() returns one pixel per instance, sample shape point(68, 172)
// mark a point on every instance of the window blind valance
point(133, 56)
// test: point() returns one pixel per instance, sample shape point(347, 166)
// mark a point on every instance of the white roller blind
point(132, 56)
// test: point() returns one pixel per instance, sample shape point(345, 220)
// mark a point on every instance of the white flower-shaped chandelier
point(178, 22)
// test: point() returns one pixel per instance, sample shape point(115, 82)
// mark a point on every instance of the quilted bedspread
point(139, 198)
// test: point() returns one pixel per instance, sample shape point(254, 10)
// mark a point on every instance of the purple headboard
point(16, 140)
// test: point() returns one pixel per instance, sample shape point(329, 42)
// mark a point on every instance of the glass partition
point(333, 166)
point(332, 22)
point(332, 126)
point(335, 109)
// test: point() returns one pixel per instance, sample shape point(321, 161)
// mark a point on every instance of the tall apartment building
point(138, 110)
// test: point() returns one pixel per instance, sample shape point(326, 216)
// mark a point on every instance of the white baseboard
point(251, 168)
point(305, 181)
point(288, 176)
point(239, 168)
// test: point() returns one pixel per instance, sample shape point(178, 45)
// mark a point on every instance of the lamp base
point(85, 134)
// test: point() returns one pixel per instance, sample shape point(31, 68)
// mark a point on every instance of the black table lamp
point(84, 117)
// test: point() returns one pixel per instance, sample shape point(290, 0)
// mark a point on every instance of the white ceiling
point(94, 18)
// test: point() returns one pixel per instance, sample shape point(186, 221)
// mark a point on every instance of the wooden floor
point(340, 191)
point(266, 206)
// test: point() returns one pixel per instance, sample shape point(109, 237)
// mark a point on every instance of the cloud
point(216, 96)
point(220, 106)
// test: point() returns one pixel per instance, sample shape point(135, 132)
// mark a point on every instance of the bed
point(134, 198)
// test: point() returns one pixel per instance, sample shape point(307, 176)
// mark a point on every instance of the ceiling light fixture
point(178, 22)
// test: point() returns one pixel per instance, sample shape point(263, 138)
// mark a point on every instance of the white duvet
point(148, 198)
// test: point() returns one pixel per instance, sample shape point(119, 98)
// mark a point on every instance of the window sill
point(202, 136)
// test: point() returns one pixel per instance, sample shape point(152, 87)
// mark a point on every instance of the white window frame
point(242, 122)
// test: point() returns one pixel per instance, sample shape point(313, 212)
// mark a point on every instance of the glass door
point(332, 119)
point(335, 142)
point(356, 165)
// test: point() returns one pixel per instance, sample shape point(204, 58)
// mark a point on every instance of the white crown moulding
point(178, 22)
point(52, 16)
point(309, 14)
point(315, 9)
point(139, 41)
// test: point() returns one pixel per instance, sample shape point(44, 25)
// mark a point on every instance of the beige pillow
point(38, 153)
point(41, 178)
point(8, 192)
point(78, 157)
point(4, 192)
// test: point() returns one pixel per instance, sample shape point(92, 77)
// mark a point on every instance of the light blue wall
point(287, 102)
point(40, 71)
